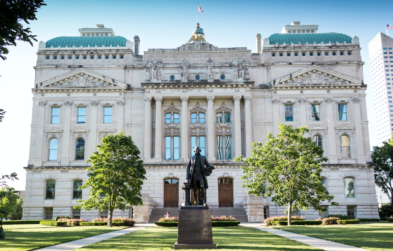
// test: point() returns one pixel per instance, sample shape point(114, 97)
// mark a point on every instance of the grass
point(371, 236)
point(28, 237)
point(226, 238)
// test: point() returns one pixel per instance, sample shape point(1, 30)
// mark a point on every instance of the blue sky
point(168, 24)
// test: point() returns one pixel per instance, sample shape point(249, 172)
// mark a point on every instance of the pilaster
point(148, 139)
point(158, 153)
point(210, 129)
point(184, 129)
point(248, 124)
point(237, 122)
point(65, 157)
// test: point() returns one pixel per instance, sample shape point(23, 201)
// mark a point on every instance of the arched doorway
point(225, 192)
point(171, 192)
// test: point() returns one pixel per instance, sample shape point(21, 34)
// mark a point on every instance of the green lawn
point(28, 237)
point(371, 236)
point(226, 238)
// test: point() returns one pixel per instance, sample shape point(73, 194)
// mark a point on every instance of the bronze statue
point(197, 169)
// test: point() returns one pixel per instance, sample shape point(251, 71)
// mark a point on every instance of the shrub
point(225, 223)
point(170, 219)
point(72, 222)
point(342, 217)
point(348, 221)
point(166, 224)
point(268, 221)
point(52, 223)
point(389, 219)
point(61, 217)
point(15, 222)
point(93, 223)
point(120, 221)
point(100, 220)
point(369, 220)
point(129, 222)
point(224, 218)
point(386, 211)
point(330, 221)
point(297, 222)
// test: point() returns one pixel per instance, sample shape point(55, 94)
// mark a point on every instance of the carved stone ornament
point(237, 98)
point(184, 99)
point(94, 102)
point(276, 101)
point(68, 103)
point(329, 100)
point(210, 69)
point(356, 100)
point(210, 98)
point(185, 70)
point(82, 81)
point(197, 108)
point(147, 99)
point(158, 99)
point(302, 100)
point(42, 103)
point(247, 97)
point(120, 102)
point(223, 108)
point(171, 108)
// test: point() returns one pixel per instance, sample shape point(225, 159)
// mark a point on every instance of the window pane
point(168, 118)
point(76, 213)
point(176, 148)
point(104, 214)
point(318, 140)
point(175, 181)
point(315, 112)
point(227, 117)
point(349, 187)
point(107, 115)
point(55, 115)
point(48, 213)
point(77, 193)
point(219, 117)
point(201, 118)
point(193, 117)
point(80, 149)
point(168, 181)
point(345, 147)
point(351, 212)
point(81, 115)
point(176, 118)
point(168, 148)
point(50, 189)
point(53, 148)
point(219, 148)
point(202, 144)
point(193, 144)
point(228, 154)
point(288, 113)
point(342, 112)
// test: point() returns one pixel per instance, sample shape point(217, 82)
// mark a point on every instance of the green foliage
point(72, 222)
point(386, 211)
point(19, 222)
point(342, 217)
point(297, 222)
point(389, 219)
point(115, 177)
point(8, 200)
point(12, 13)
point(269, 220)
point(382, 157)
point(340, 222)
point(62, 217)
point(330, 220)
point(291, 166)
point(2, 112)
point(12, 176)
point(369, 220)
point(53, 223)
point(18, 210)
point(93, 223)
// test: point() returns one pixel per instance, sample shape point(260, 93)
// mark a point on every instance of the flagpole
point(197, 13)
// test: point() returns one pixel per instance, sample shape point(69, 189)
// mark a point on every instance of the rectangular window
point(77, 194)
point(219, 117)
point(176, 148)
point(228, 144)
point(202, 145)
point(193, 117)
point(288, 113)
point(76, 213)
point(342, 112)
point(193, 144)
point(288, 54)
point(168, 119)
point(84, 57)
point(107, 57)
point(315, 112)
point(47, 57)
point(104, 214)
point(341, 53)
point(176, 118)
point(227, 117)
point(81, 115)
point(349, 184)
point(318, 54)
point(351, 212)
point(55, 115)
point(325, 214)
point(62, 57)
point(334, 53)
point(107, 115)
point(114, 57)
point(311, 54)
point(296, 54)
point(77, 57)
point(91, 57)
point(303, 54)
point(201, 118)
point(50, 189)
point(55, 57)
point(220, 149)
point(48, 211)
point(168, 147)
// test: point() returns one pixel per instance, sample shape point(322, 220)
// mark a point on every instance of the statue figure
point(245, 72)
point(150, 70)
point(210, 69)
point(198, 169)
point(236, 71)
point(185, 73)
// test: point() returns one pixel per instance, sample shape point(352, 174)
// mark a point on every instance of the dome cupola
point(197, 35)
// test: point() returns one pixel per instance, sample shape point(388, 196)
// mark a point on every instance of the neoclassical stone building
point(222, 99)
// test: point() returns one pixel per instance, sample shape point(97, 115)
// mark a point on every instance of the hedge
point(166, 224)
point(369, 220)
point(94, 223)
point(348, 222)
point(62, 217)
point(297, 222)
point(389, 219)
point(214, 224)
point(342, 217)
point(53, 223)
point(14, 222)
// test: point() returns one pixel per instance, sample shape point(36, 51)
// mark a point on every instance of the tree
point(291, 166)
point(18, 210)
point(382, 157)
point(115, 177)
point(2, 112)
point(3, 177)
point(8, 199)
point(12, 12)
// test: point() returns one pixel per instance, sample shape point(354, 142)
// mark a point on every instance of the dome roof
point(198, 31)
point(310, 38)
point(113, 41)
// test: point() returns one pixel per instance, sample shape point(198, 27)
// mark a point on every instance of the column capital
point(184, 99)
point(68, 103)
point(237, 98)
point(158, 99)
point(356, 100)
point(248, 97)
point(210, 98)
point(42, 103)
point(94, 102)
point(147, 99)
point(120, 102)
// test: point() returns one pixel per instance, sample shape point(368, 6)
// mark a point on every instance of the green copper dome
point(198, 31)
point(87, 41)
point(310, 38)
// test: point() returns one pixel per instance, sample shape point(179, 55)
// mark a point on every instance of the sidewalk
point(97, 238)
point(311, 241)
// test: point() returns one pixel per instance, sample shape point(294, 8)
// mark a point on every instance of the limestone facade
point(237, 98)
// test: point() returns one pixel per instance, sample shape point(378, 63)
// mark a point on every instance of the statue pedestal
point(195, 228)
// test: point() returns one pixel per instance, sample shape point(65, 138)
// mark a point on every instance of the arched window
point(80, 149)
point(349, 187)
point(53, 149)
point(77, 194)
point(172, 78)
point(50, 189)
point(345, 147)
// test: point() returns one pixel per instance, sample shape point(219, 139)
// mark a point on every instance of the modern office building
point(222, 99)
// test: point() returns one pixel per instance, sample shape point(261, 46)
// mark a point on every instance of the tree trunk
point(110, 217)
point(289, 213)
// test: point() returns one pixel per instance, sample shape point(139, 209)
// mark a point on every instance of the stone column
point(210, 129)
point(38, 156)
point(331, 131)
point(248, 124)
point(93, 126)
point(184, 129)
point(358, 130)
point(148, 139)
point(237, 123)
point(120, 115)
point(276, 116)
point(65, 149)
point(158, 153)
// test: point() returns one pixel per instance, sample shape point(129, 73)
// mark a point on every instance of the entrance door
point(225, 192)
point(171, 193)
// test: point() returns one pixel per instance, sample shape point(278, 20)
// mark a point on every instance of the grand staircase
point(238, 212)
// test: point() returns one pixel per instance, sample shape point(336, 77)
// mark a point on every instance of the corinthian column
point(238, 130)
point(158, 153)
point(210, 129)
point(184, 129)
point(147, 144)
point(248, 124)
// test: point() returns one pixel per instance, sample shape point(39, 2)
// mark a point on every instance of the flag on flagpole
point(388, 26)
point(199, 9)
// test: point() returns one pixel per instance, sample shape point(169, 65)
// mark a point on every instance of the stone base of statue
point(195, 228)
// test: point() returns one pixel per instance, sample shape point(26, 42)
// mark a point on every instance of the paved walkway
point(311, 241)
point(91, 240)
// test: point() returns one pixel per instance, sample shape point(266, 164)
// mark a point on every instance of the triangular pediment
point(315, 75)
point(82, 78)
